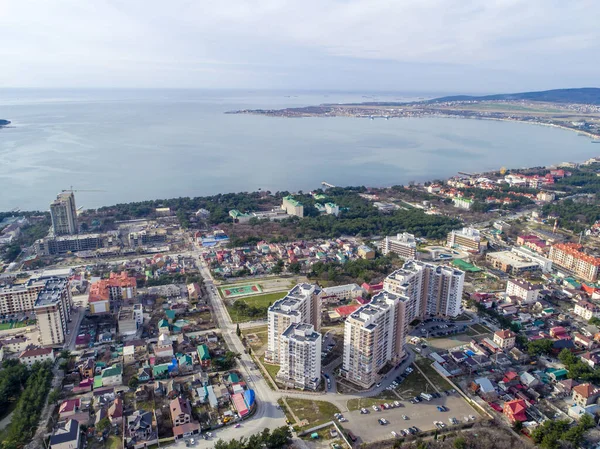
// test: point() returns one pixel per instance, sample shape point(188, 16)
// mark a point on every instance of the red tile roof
point(35, 352)
point(347, 310)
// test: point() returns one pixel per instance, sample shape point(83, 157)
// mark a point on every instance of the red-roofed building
point(31, 356)
point(515, 410)
point(583, 341)
point(118, 286)
point(69, 408)
point(559, 333)
point(585, 394)
point(345, 311)
point(571, 257)
point(505, 339)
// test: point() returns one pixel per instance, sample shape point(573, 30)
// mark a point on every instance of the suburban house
point(112, 376)
point(515, 410)
point(66, 436)
point(181, 417)
point(585, 394)
point(140, 431)
point(505, 339)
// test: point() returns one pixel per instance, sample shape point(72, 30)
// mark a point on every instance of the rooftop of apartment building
point(405, 238)
point(468, 232)
point(525, 285)
point(52, 292)
point(294, 297)
point(413, 266)
point(301, 332)
point(380, 302)
point(126, 313)
point(292, 201)
point(576, 250)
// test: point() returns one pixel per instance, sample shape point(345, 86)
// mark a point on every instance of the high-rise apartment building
point(403, 244)
point(432, 289)
point(64, 214)
point(570, 257)
point(302, 304)
point(52, 311)
point(20, 298)
point(300, 357)
point(375, 335)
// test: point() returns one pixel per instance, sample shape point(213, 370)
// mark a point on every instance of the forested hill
point(584, 95)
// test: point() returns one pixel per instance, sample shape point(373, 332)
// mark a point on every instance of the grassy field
point(271, 369)
point(254, 301)
point(315, 412)
point(413, 385)
point(432, 374)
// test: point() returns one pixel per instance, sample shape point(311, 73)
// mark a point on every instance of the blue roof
point(249, 397)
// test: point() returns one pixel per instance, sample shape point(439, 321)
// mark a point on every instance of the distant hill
point(584, 95)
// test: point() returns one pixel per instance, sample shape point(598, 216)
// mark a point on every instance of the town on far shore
point(339, 317)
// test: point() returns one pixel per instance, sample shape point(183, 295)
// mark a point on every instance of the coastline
point(425, 115)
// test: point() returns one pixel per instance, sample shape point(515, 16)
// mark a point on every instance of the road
point(267, 414)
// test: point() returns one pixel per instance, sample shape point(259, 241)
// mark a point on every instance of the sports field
point(240, 290)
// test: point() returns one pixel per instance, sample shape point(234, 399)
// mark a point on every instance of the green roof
point(203, 352)
point(163, 323)
point(331, 205)
point(290, 199)
point(114, 370)
point(233, 378)
point(97, 382)
point(319, 196)
point(170, 314)
point(465, 266)
point(234, 213)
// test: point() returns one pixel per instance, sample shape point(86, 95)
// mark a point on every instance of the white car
point(404, 417)
point(394, 434)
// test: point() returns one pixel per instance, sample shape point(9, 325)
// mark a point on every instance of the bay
point(133, 145)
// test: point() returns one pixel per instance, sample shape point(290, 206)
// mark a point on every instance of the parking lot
point(367, 429)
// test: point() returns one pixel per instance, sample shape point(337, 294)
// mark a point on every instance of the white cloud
point(285, 43)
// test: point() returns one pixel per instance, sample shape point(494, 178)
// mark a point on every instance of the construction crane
point(82, 190)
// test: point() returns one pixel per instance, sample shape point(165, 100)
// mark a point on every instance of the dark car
point(351, 436)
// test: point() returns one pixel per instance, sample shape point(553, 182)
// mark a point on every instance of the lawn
point(5, 326)
point(432, 374)
point(413, 385)
point(271, 369)
point(315, 412)
point(114, 442)
point(253, 301)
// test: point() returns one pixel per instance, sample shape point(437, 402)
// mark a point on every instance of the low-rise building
point(181, 417)
point(463, 203)
point(140, 430)
point(404, 245)
point(515, 410)
point(585, 394)
point(112, 376)
point(526, 291)
point(587, 310)
point(343, 292)
point(365, 252)
point(511, 263)
point(66, 436)
point(31, 356)
point(292, 206)
point(468, 239)
point(505, 339)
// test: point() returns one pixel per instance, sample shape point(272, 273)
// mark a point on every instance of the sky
point(402, 45)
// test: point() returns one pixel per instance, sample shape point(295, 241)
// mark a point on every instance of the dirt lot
point(421, 415)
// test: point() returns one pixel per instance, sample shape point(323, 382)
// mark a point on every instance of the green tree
point(238, 330)
point(460, 443)
point(134, 382)
point(103, 425)
point(539, 347)
point(54, 396)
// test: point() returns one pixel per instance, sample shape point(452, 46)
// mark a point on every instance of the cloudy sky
point(401, 45)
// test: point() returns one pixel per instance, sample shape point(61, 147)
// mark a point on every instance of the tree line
point(29, 407)
point(278, 438)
